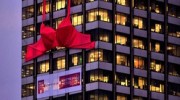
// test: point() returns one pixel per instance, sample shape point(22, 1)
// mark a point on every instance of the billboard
point(59, 83)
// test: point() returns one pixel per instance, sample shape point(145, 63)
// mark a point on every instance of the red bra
point(65, 36)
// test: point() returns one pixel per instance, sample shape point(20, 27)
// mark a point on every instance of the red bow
point(65, 36)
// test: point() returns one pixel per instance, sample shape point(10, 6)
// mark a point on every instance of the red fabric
point(65, 36)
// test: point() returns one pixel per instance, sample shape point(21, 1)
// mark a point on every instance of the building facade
point(137, 54)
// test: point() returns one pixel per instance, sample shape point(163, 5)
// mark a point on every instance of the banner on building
point(59, 83)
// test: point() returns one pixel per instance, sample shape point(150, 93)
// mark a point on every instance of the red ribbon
point(65, 36)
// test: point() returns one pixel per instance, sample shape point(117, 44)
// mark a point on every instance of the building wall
point(136, 55)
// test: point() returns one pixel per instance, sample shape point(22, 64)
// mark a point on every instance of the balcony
point(123, 49)
point(123, 9)
point(173, 20)
point(140, 13)
point(98, 65)
point(98, 85)
point(122, 89)
point(27, 41)
point(173, 59)
point(157, 36)
point(28, 21)
point(123, 69)
point(157, 76)
point(123, 29)
point(157, 56)
point(174, 40)
point(140, 33)
point(140, 52)
point(158, 17)
point(140, 72)
point(158, 96)
point(26, 3)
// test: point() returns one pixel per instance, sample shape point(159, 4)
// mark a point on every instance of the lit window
point(157, 86)
point(76, 2)
point(122, 59)
point(122, 97)
point(121, 19)
point(138, 44)
point(28, 31)
point(140, 4)
point(40, 10)
point(140, 83)
point(23, 52)
point(139, 62)
point(119, 39)
point(102, 15)
point(173, 50)
point(43, 67)
point(99, 75)
point(157, 66)
point(139, 23)
point(122, 2)
point(76, 59)
point(156, 27)
point(27, 90)
point(60, 4)
point(77, 19)
point(95, 55)
point(57, 22)
point(104, 37)
point(27, 12)
point(27, 70)
point(60, 63)
point(123, 79)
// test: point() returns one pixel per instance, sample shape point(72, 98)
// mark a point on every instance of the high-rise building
point(137, 54)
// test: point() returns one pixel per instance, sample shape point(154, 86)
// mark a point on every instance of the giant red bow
point(65, 36)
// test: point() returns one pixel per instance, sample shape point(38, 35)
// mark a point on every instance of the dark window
point(27, 70)
point(27, 90)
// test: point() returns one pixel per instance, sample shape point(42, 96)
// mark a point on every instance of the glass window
point(122, 79)
point(140, 4)
point(123, 2)
point(157, 86)
point(102, 14)
point(157, 66)
point(98, 95)
point(173, 11)
point(122, 59)
point(74, 97)
point(99, 75)
point(27, 12)
point(174, 89)
point(157, 7)
point(76, 2)
point(140, 82)
point(137, 43)
point(57, 21)
point(40, 8)
point(23, 51)
point(174, 30)
point(139, 62)
point(139, 23)
point(121, 40)
point(77, 19)
point(139, 98)
point(27, 90)
point(156, 27)
point(174, 69)
point(27, 70)
point(43, 67)
point(173, 50)
point(121, 97)
point(121, 19)
point(104, 37)
point(95, 55)
point(157, 46)
point(76, 59)
point(59, 63)
point(59, 4)
point(28, 31)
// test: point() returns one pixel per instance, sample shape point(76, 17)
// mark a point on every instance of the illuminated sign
point(59, 83)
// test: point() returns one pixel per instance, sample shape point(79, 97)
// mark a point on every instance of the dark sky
point(10, 46)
